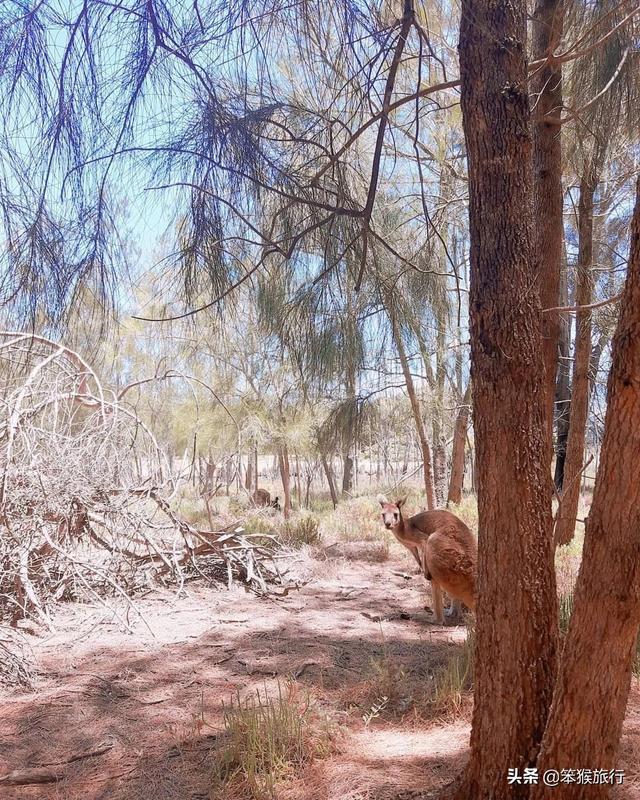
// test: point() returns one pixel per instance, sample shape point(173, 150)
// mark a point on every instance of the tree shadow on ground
point(157, 705)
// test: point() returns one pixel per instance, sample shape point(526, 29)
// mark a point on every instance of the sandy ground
point(121, 716)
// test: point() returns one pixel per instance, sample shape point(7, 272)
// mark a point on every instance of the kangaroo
point(444, 548)
point(261, 497)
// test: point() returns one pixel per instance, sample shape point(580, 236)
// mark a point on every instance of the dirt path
point(139, 715)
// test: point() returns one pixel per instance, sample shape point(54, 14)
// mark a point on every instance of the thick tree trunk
point(563, 385)
point(457, 458)
point(568, 510)
point(516, 615)
point(546, 87)
point(417, 416)
point(285, 475)
point(589, 704)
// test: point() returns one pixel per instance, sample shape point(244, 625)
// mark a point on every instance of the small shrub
point(259, 523)
point(300, 530)
point(374, 711)
point(265, 740)
point(387, 688)
point(389, 679)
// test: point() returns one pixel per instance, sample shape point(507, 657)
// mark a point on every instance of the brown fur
point(443, 546)
point(261, 497)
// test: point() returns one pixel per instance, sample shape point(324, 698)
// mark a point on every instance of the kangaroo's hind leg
point(436, 591)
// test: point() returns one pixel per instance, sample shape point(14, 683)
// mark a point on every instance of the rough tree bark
point(546, 88)
point(457, 457)
point(516, 617)
point(568, 509)
point(589, 704)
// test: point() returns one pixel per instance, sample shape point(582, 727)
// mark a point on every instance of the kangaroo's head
point(391, 512)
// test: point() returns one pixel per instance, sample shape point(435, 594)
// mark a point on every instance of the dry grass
point(453, 683)
point(266, 740)
point(357, 519)
point(437, 686)
point(373, 552)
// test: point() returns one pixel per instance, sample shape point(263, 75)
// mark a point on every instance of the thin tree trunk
point(248, 483)
point(563, 386)
point(309, 479)
point(429, 488)
point(405, 460)
point(474, 467)
point(417, 416)
point(440, 471)
point(437, 405)
point(457, 458)
point(594, 361)
point(568, 510)
point(285, 475)
point(585, 723)
point(347, 473)
point(329, 476)
point(516, 614)
point(424, 355)
point(255, 467)
point(298, 484)
point(546, 86)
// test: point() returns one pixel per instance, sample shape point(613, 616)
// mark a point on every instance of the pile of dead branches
point(85, 494)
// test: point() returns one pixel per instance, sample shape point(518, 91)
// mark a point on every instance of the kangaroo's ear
point(401, 501)
point(382, 500)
